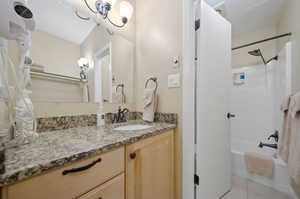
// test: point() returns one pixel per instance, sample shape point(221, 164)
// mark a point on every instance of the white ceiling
point(214, 2)
point(248, 15)
point(57, 17)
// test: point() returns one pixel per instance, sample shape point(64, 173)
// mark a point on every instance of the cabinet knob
point(132, 156)
point(230, 115)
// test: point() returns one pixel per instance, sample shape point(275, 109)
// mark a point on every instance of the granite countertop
point(57, 148)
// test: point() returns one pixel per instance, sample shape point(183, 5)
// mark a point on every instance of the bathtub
point(279, 181)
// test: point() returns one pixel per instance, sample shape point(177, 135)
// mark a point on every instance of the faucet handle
point(275, 136)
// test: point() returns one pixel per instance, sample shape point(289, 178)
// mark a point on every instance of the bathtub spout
point(261, 145)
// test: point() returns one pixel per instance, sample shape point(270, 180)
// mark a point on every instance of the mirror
point(79, 60)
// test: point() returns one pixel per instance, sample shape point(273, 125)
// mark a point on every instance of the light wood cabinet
point(63, 184)
point(143, 170)
point(113, 189)
point(150, 168)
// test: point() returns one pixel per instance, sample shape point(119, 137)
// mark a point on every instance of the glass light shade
point(111, 2)
point(126, 10)
point(83, 62)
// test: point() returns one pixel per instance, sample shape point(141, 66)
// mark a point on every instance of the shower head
point(256, 52)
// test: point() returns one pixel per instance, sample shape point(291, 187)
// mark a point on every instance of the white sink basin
point(133, 127)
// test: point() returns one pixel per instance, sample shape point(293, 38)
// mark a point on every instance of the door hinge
point(197, 24)
point(196, 179)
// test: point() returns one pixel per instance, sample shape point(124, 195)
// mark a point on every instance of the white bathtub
point(279, 181)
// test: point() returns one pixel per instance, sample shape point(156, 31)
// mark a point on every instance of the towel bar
point(154, 79)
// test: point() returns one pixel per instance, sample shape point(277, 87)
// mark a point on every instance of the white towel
point(149, 104)
point(284, 137)
point(295, 104)
point(293, 162)
point(285, 104)
point(117, 98)
point(259, 164)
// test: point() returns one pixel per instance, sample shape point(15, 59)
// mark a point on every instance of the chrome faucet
point(275, 135)
point(121, 115)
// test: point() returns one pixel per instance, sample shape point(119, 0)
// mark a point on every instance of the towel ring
point(154, 79)
point(120, 86)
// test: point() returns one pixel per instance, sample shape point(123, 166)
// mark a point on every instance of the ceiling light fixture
point(103, 7)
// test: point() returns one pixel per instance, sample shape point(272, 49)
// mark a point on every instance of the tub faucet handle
point(275, 136)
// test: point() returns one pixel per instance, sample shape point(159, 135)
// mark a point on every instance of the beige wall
point(55, 54)
point(58, 56)
point(54, 109)
point(123, 53)
point(63, 109)
point(290, 23)
point(44, 90)
point(241, 58)
point(158, 41)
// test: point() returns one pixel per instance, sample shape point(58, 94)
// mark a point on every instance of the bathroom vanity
point(93, 163)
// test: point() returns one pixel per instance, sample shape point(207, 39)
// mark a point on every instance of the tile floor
point(246, 189)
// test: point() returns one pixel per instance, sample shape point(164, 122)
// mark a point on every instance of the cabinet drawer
point(70, 181)
point(113, 189)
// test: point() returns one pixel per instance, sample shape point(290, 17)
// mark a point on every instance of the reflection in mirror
point(105, 75)
point(103, 71)
point(78, 56)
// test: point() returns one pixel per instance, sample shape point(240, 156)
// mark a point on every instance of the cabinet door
point(113, 189)
point(150, 168)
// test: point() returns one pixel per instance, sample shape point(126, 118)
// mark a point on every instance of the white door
point(213, 84)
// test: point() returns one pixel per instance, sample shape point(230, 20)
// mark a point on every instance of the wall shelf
point(56, 77)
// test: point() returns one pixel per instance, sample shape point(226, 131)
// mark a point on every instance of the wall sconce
point(83, 63)
point(103, 7)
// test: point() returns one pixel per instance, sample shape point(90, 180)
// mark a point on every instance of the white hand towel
point(285, 104)
point(150, 104)
point(285, 135)
point(293, 163)
point(295, 104)
point(117, 98)
point(259, 164)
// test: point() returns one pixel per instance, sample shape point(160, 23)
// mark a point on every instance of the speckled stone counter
point(57, 148)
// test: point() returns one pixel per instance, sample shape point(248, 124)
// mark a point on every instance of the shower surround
point(256, 95)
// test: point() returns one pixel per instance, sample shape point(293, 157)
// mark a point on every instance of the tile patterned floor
point(246, 189)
